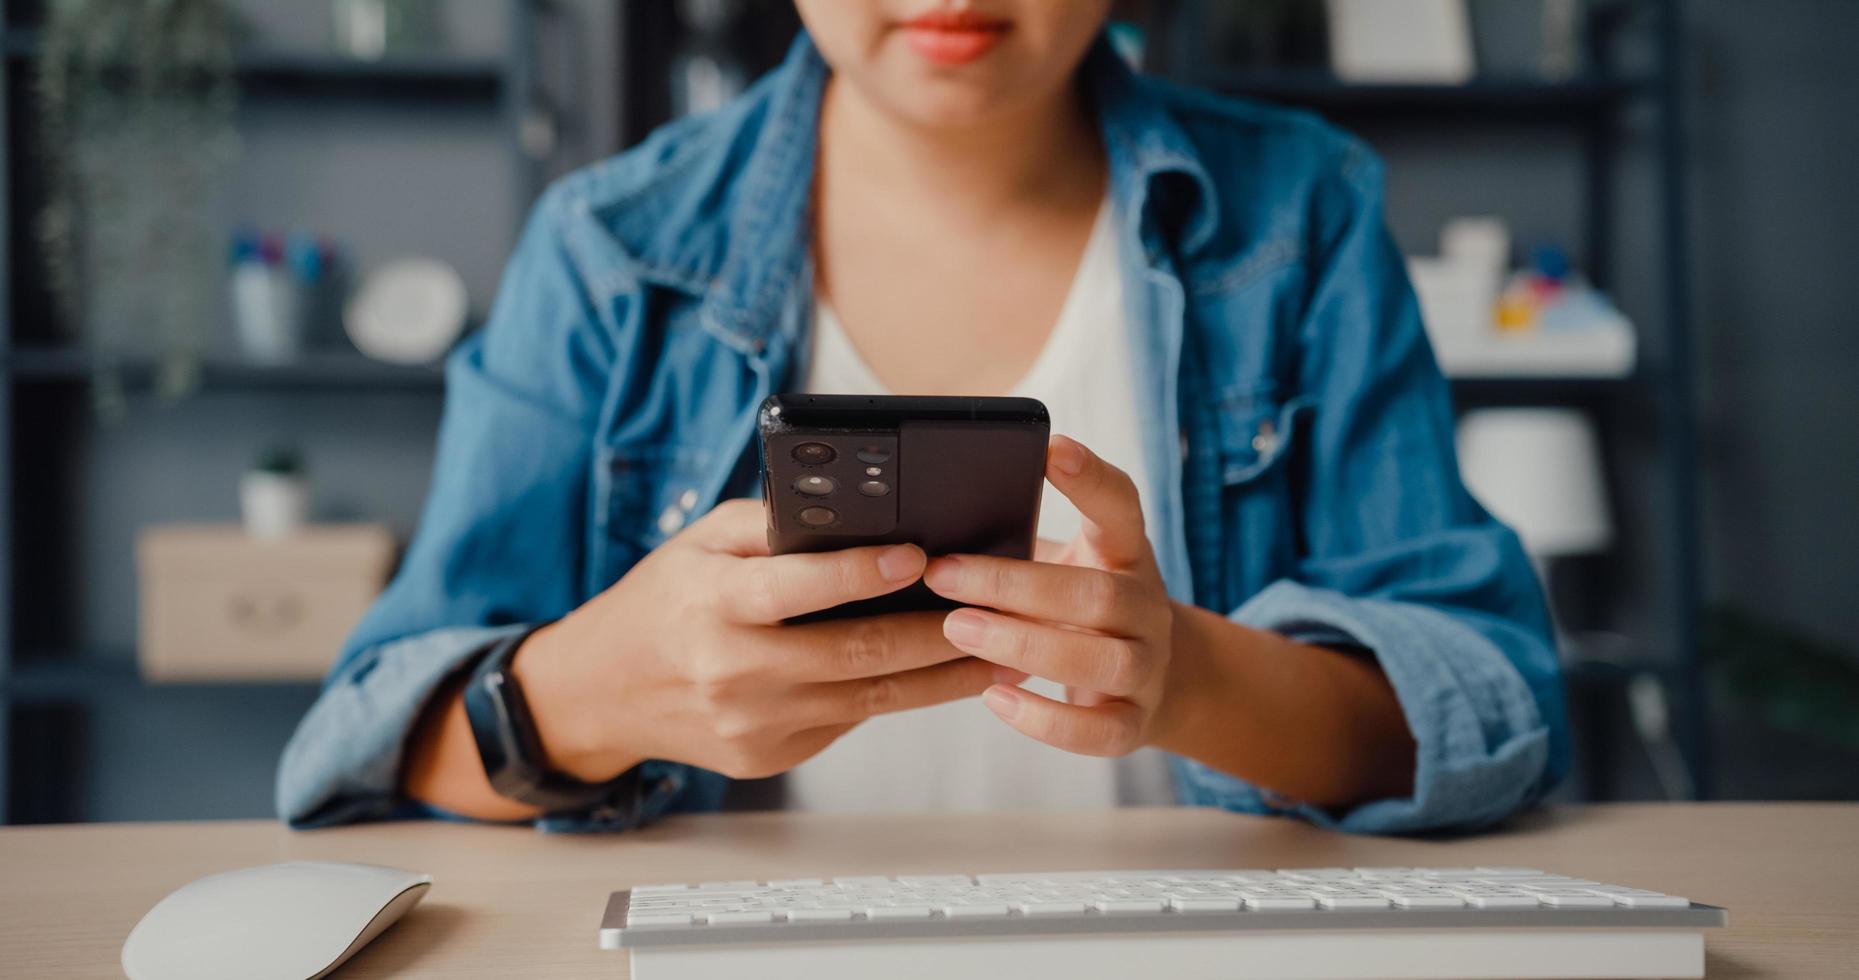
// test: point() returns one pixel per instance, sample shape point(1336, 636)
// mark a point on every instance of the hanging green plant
point(137, 99)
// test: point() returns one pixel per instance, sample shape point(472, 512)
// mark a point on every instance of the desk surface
point(511, 902)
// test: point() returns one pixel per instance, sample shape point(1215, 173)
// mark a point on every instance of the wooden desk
point(509, 902)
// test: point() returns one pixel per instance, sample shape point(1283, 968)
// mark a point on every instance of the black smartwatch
point(511, 749)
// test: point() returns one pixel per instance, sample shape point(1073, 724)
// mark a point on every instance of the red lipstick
point(954, 37)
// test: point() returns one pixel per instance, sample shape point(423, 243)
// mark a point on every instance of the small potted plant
point(274, 495)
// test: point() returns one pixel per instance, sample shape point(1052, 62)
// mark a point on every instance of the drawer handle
point(265, 614)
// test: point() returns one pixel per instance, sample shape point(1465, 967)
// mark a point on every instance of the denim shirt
point(1299, 436)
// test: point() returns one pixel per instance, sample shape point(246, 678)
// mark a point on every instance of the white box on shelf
point(1401, 41)
point(220, 605)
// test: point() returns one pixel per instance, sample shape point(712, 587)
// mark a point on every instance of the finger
point(851, 649)
point(772, 588)
point(1072, 594)
point(857, 700)
point(1105, 496)
point(1104, 664)
point(1113, 728)
point(1046, 549)
point(734, 527)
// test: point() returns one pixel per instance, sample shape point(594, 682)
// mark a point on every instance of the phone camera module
point(874, 488)
point(817, 516)
point(814, 453)
point(814, 485)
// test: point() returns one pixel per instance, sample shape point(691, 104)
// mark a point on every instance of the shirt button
point(1266, 439)
point(671, 521)
point(687, 501)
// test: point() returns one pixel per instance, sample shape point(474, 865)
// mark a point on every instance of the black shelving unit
point(272, 71)
point(316, 370)
point(1592, 104)
point(1564, 99)
point(505, 86)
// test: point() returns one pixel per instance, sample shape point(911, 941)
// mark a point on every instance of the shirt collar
point(1156, 175)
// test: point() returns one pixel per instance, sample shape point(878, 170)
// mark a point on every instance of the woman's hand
point(686, 657)
point(1092, 615)
point(1313, 724)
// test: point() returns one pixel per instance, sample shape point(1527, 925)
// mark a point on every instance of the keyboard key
point(1519, 901)
point(796, 883)
point(729, 886)
point(1447, 872)
point(996, 910)
point(819, 915)
point(741, 918)
point(1316, 874)
point(1279, 903)
point(959, 880)
point(1051, 908)
point(1137, 906)
point(1412, 900)
point(861, 881)
point(1182, 903)
point(1355, 901)
point(881, 913)
point(1507, 872)
point(1588, 901)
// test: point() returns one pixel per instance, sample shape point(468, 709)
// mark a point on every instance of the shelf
point(427, 75)
point(331, 370)
point(1484, 390)
point(52, 680)
point(1526, 99)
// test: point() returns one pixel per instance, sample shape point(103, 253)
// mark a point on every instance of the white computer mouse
point(291, 921)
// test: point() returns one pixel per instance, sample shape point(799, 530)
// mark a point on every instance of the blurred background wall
point(436, 150)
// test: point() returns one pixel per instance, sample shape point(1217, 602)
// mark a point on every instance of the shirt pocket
point(643, 496)
point(1261, 433)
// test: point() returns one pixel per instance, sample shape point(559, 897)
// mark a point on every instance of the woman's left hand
point(1092, 615)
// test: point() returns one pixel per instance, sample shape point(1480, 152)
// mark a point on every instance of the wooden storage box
point(219, 605)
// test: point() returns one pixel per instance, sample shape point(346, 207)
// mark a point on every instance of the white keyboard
point(1297, 922)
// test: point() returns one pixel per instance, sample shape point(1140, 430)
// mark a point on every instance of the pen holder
point(268, 312)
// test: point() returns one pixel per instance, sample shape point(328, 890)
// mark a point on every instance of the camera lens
point(815, 486)
point(814, 453)
point(817, 516)
point(874, 454)
point(874, 488)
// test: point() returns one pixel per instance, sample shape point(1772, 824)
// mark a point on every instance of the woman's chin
point(948, 103)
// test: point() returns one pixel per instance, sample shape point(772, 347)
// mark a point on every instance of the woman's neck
point(1044, 155)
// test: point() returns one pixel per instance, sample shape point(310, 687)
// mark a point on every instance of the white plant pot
point(273, 505)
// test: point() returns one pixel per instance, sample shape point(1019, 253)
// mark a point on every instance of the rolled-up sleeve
point(501, 543)
point(1398, 560)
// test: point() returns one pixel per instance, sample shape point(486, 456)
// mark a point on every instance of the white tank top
point(959, 756)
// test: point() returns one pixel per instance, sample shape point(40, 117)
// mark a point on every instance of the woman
point(1269, 591)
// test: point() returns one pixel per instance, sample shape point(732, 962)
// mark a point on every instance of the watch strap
point(510, 747)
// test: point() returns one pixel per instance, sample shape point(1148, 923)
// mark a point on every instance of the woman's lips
point(954, 37)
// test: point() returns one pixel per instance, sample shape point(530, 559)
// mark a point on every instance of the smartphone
point(952, 475)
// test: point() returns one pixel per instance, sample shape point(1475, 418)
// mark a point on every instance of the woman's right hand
point(686, 658)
